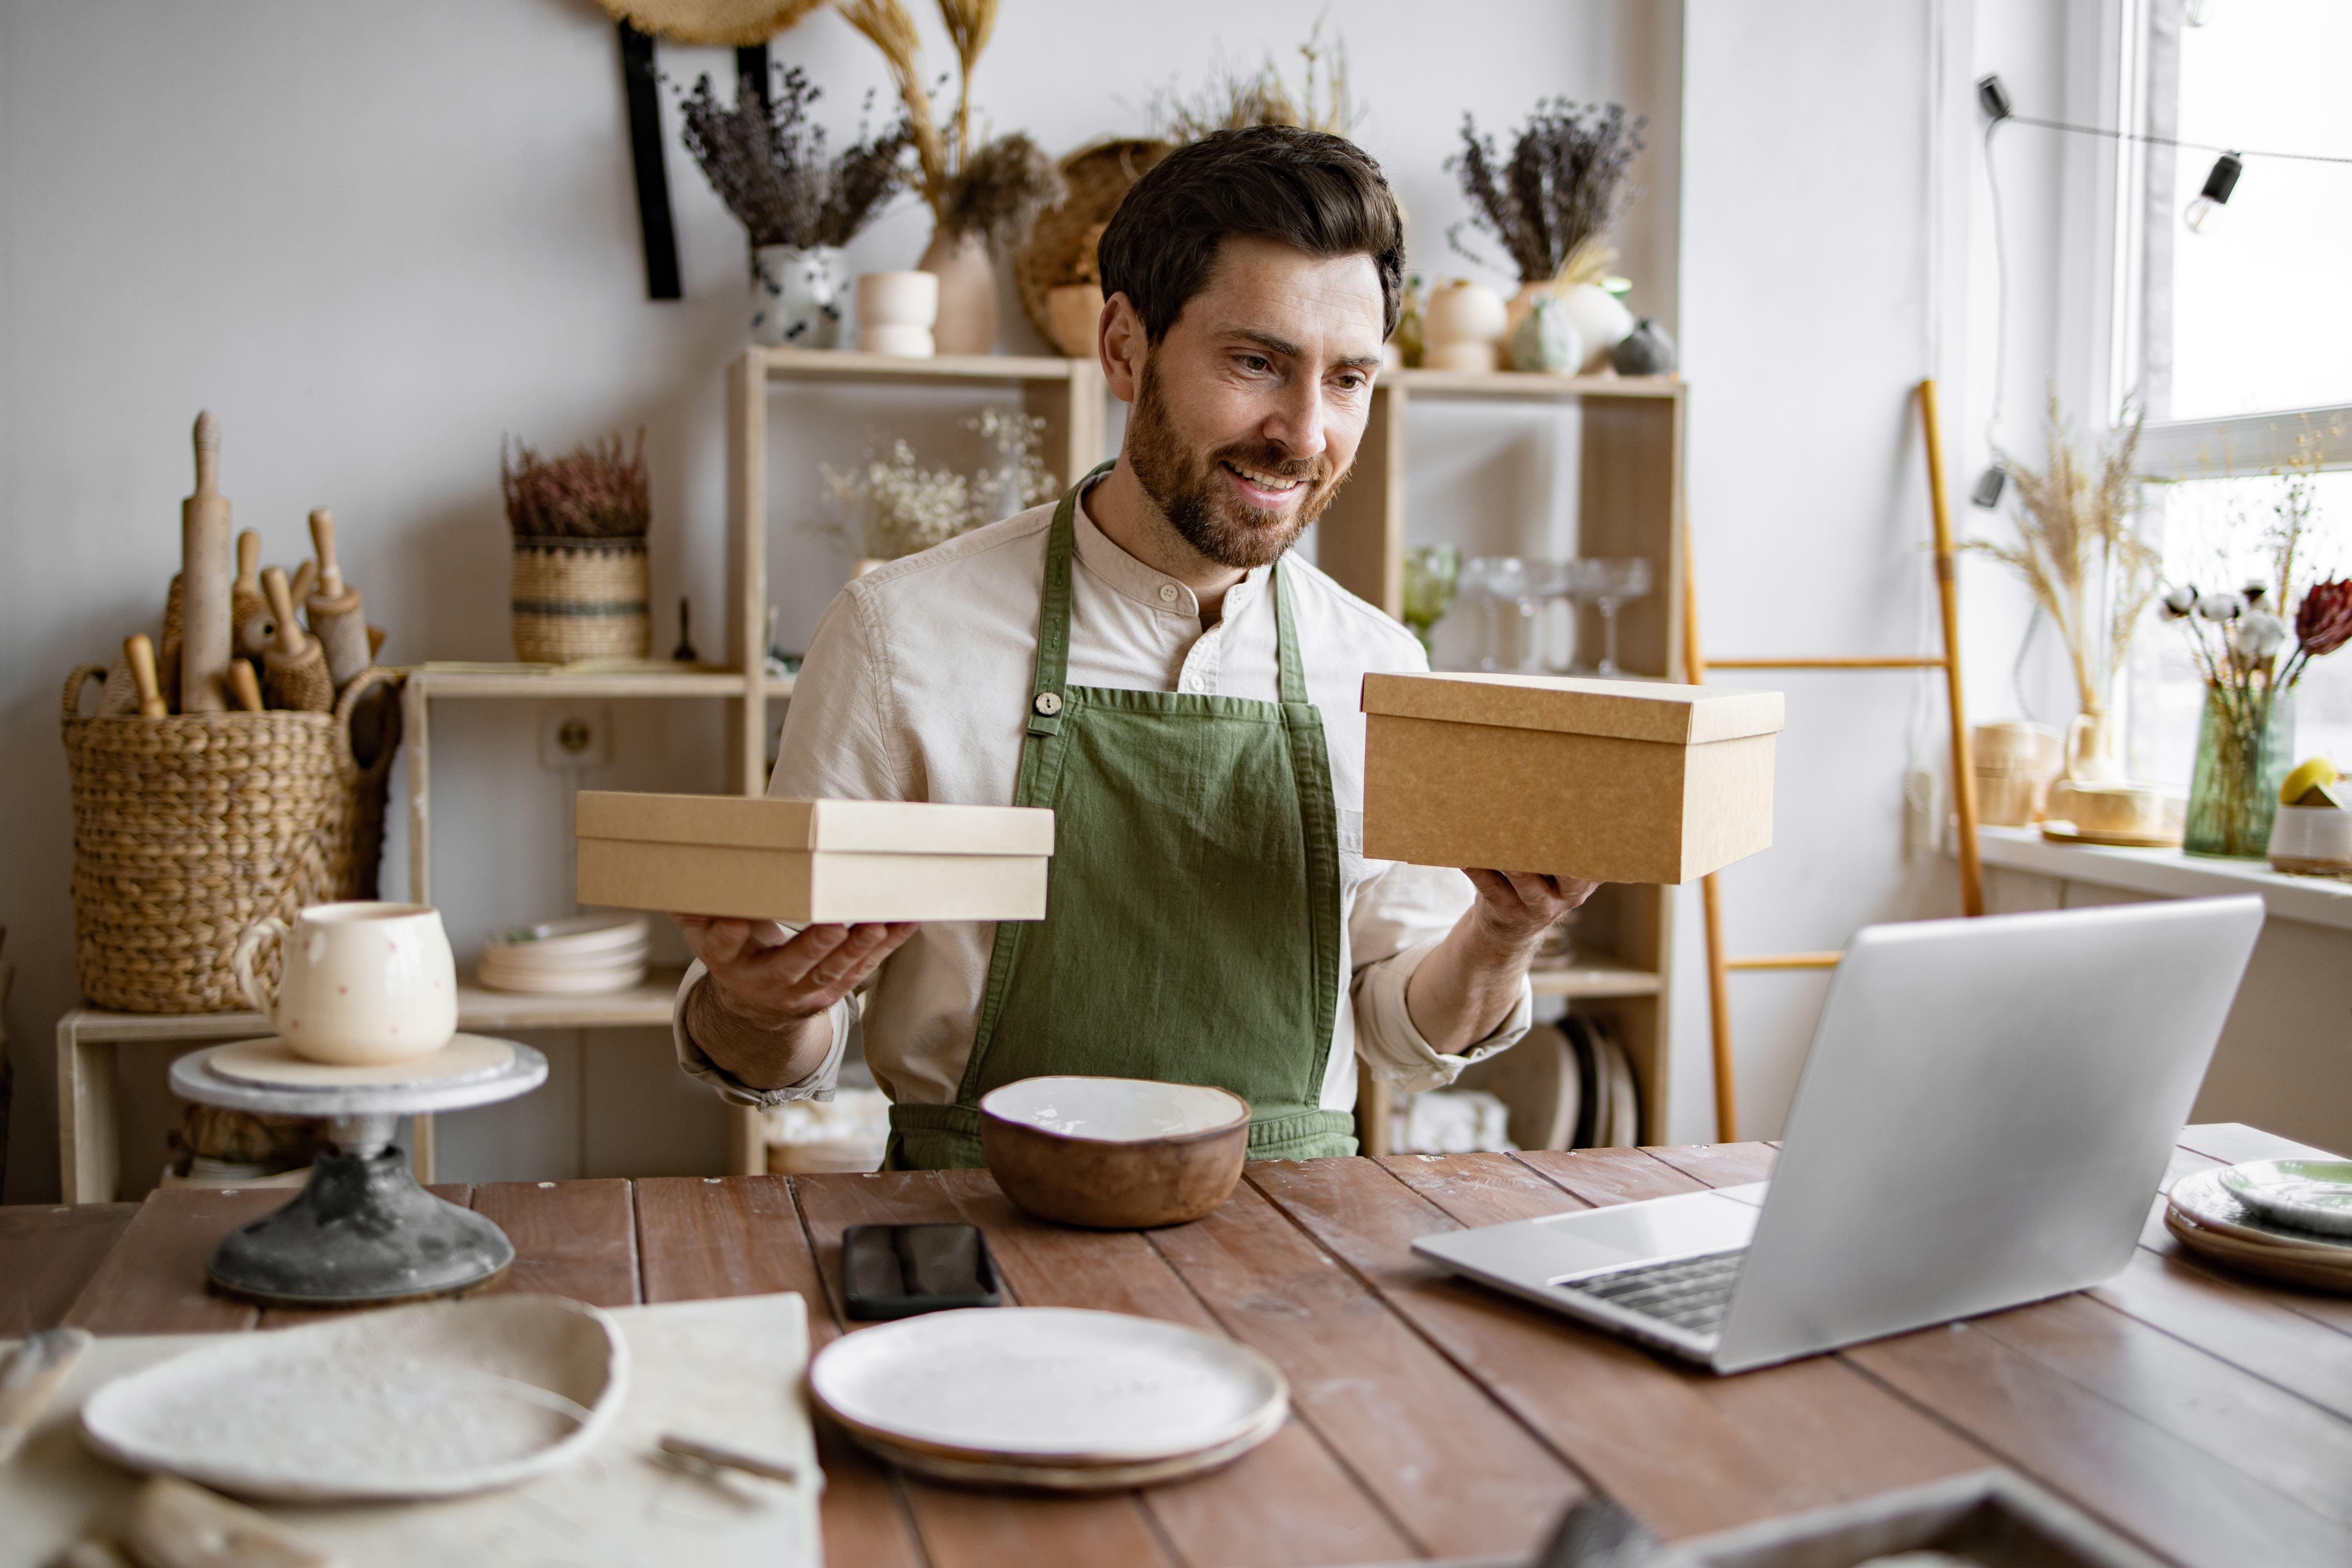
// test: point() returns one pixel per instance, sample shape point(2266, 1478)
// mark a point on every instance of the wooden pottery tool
point(205, 574)
point(336, 618)
point(32, 1374)
point(167, 647)
point(244, 685)
point(176, 1524)
point(297, 666)
point(306, 582)
point(140, 655)
point(248, 610)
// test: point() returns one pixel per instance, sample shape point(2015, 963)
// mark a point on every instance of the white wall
point(373, 238)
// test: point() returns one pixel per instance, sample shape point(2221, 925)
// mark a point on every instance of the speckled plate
point(2308, 1194)
point(2203, 1198)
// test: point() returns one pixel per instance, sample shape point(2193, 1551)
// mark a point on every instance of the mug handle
point(241, 962)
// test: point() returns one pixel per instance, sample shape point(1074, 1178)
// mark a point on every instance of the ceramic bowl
point(2309, 1195)
point(1114, 1154)
point(2312, 839)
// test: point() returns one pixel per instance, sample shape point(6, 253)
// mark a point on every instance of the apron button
point(1048, 703)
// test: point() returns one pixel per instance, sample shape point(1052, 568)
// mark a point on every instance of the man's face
point(1249, 412)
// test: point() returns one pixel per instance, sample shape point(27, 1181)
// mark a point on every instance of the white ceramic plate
point(2307, 1195)
point(432, 1400)
point(1046, 1385)
point(1115, 1109)
point(269, 1061)
point(529, 958)
point(562, 982)
point(581, 934)
point(1076, 1478)
point(2204, 1199)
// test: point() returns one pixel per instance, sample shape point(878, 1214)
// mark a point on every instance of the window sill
point(2169, 874)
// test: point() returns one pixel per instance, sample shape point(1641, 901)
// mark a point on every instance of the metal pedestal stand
point(361, 1233)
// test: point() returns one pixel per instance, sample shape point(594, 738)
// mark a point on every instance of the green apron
point(1192, 925)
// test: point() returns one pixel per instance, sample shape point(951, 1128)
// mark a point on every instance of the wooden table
point(2210, 1418)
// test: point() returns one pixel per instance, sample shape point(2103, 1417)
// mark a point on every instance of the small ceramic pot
point(895, 312)
point(1462, 326)
point(1114, 1154)
point(2314, 840)
point(796, 296)
point(1075, 309)
point(1647, 349)
point(967, 319)
point(2122, 809)
point(1600, 318)
point(361, 984)
point(1546, 340)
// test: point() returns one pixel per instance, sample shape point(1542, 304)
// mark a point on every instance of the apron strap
point(1051, 674)
point(1286, 642)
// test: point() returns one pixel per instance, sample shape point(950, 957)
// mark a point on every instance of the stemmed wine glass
point(1506, 610)
point(1609, 583)
point(1432, 573)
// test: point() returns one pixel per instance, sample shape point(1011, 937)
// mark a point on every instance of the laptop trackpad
point(1594, 1239)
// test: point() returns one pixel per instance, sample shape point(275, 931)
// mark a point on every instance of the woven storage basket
point(577, 599)
point(1098, 178)
point(188, 829)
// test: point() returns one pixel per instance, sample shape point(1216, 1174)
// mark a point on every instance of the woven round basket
point(577, 599)
point(1098, 177)
point(189, 828)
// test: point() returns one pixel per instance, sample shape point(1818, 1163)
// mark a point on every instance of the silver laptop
point(1986, 1114)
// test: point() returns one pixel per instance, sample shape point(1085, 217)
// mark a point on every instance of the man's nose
point(1300, 422)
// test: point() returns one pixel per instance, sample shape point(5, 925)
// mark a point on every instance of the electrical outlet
point(574, 737)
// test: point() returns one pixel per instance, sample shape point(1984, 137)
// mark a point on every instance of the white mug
point(362, 984)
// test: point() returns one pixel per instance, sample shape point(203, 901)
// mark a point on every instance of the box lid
point(1628, 710)
point(854, 827)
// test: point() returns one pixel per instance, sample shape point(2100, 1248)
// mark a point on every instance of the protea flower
point(2323, 623)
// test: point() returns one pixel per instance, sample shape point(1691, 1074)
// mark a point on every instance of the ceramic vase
point(1547, 340)
point(1600, 318)
point(895, 312)
point(1648, 350)
point(966, 323)
point(1465, 323)
point(796, 296)
point(2245, 745)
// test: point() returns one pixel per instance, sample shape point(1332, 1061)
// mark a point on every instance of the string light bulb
point(2201, 212)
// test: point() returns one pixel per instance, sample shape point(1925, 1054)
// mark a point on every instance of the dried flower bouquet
point(1552, 203)
point(769, 164)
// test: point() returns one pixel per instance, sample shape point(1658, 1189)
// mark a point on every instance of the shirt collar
point(1147, 585)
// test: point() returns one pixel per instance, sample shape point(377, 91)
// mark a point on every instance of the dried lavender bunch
point(1564, 185)
point(1000, 191)
point(769, 164)
point(599, 492)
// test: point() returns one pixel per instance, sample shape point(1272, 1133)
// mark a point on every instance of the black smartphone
point(900, 1270)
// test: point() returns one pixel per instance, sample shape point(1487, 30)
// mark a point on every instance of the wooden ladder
point(1964, 788)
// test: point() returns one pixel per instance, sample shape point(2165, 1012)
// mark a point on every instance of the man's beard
point(1186, 487)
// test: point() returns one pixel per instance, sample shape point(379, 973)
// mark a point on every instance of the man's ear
point(1121, 343)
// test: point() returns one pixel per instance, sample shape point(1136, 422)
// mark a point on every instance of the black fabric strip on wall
point(646, 154)
point(751, 71)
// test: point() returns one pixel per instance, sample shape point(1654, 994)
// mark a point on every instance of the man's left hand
point(1515, 908)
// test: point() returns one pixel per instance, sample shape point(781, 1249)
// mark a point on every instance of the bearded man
point(1147, 659)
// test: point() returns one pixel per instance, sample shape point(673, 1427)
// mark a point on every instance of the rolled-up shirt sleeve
point(1402, 912)
point(835, 745)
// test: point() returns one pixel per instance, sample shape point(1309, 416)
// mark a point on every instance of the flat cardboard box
point(1613, 781)
point(800, 861)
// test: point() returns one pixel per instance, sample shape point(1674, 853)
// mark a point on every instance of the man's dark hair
point(1315, 192)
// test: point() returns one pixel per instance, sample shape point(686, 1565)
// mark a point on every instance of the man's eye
point(1354, 381)
point(1256, 362)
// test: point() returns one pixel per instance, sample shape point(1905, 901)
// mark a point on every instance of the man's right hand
point(770, 983)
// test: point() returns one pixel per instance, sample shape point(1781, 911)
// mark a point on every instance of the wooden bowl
point(1114, 1154)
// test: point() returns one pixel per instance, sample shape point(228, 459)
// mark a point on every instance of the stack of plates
point(1049, 1397)
point(2288, 1219)
point(593, 952)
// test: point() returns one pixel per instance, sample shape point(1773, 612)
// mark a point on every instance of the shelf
point(553, 680)
point(1599, 978)
point(479, 1010)
point(843, 364)
point(1528, 385)
point(2168, 874)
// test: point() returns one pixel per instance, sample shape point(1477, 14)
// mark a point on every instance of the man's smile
point(1268, 492)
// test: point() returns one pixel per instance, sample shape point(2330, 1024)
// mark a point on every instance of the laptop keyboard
point(1691, 1293)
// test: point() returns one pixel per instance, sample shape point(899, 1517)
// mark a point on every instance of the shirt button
point(1167, 593)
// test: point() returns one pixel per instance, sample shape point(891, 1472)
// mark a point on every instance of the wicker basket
point(188, 829)
point(1098, 178)
point(577, 599)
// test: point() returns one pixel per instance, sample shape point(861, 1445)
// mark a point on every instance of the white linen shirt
point(916, 687)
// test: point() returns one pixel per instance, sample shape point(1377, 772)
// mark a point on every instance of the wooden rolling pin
point(205, 574)
point(297, 665)
point(336, 618)
point(246, 686)
point(140, 655)
point(248, 607)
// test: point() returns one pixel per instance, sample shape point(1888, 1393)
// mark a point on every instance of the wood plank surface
point(1289, 1501)
point(960, 1529)
point(1459, 1474)
point(705, 1236)
point(48, 1253)
point(1686, 1451)
point(570, 1238)
point(1719, 1165)
point(152, 1282)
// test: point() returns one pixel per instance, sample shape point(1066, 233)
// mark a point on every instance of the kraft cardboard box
point(800, 861)
point(1613, 781)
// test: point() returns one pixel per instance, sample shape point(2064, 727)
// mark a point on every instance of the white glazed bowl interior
point(1115, 1109)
